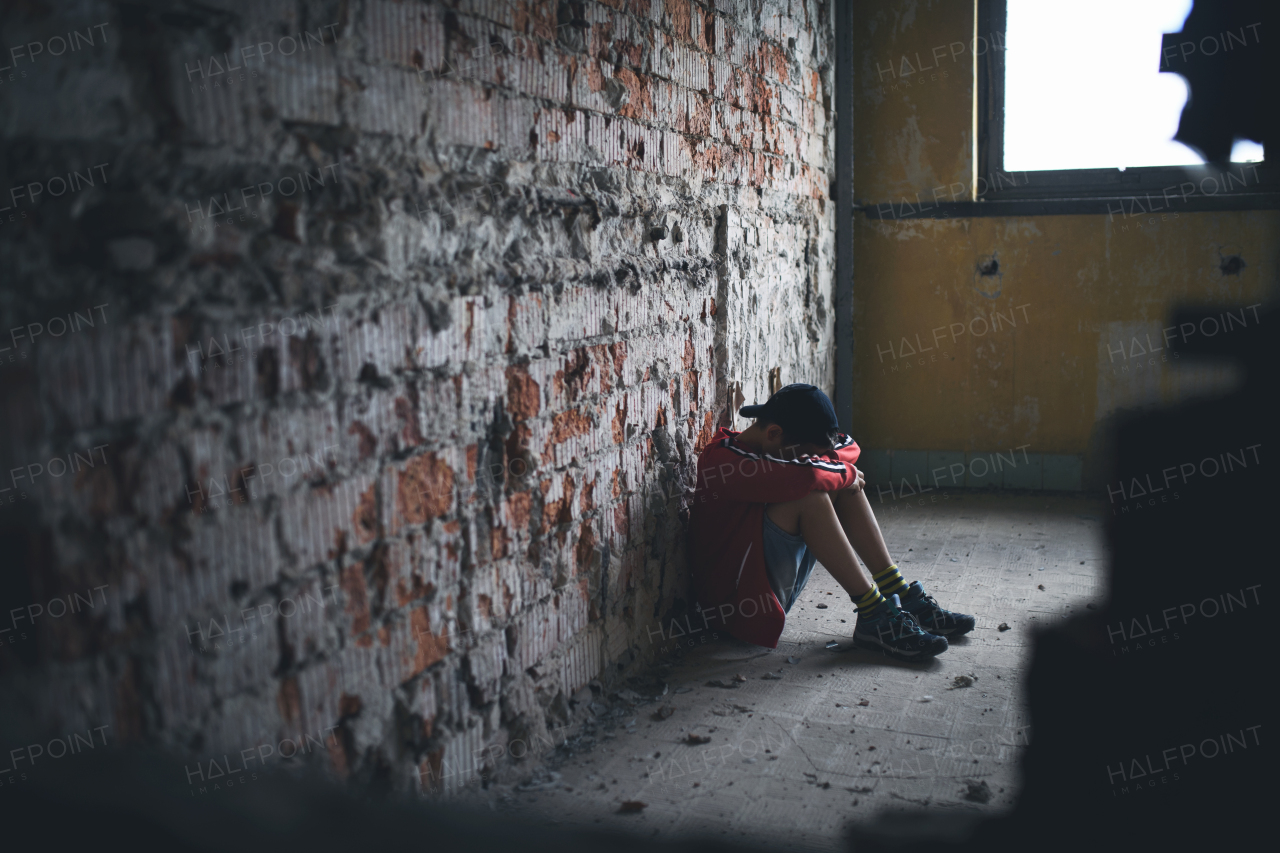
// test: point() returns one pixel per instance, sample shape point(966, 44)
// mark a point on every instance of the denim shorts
point(788, 561)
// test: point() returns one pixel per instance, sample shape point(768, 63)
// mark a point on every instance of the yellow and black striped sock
point(868, 601)
point(890, 581)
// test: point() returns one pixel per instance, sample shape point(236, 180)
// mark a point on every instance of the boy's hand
point(858, 481)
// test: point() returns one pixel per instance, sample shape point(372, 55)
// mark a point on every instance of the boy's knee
point(790, 516)
point(816, 498)
point(800, 503)
point(845, 495)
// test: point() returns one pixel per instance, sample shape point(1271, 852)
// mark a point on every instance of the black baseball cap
point(803, 411)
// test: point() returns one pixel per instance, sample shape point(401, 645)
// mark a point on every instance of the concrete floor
point(805, 739)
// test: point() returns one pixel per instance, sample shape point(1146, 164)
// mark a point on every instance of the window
point(1075, 116)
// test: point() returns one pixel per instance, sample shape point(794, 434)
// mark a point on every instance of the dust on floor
point(728, 739)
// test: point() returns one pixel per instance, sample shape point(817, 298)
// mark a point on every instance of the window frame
point(1136, 191)
point(1159, 183)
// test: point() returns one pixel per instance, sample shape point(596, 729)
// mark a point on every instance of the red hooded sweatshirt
point(726, 524)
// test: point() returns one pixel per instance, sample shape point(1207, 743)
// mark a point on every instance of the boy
point(784, 492)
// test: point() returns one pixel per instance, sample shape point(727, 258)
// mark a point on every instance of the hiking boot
point(893, 631)
point(934, 619)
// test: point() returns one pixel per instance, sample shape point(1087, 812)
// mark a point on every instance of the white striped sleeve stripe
point(822, 464)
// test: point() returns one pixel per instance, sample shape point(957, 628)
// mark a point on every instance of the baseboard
point(912, 471)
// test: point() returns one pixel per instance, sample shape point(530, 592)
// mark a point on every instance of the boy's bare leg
point(860, 525)
point(814, 517)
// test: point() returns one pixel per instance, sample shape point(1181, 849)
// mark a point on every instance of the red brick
point(424, 489)
point(524, 397)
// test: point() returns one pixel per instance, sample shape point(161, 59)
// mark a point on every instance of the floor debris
point(728, 685)
point(977, 792)
point(632, 807)
point(662, 713)
point(803, 720)
point(918, 802)
point(963, 681)
point(541, 783)
point(833, 645)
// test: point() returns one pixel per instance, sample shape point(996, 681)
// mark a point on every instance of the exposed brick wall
point(440, 401)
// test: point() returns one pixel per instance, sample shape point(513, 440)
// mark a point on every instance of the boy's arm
point(740, 475)
point(846, 450)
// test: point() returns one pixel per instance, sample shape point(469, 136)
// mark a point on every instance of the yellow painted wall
point(1085, 283)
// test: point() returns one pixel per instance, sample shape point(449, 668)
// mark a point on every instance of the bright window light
point(1246, 151)
point(1083, 88)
